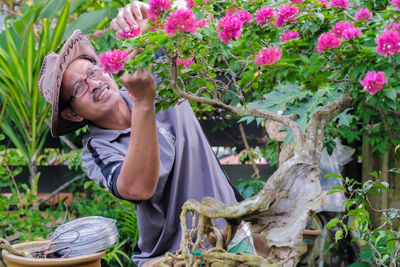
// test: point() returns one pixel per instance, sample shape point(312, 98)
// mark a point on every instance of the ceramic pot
point(90, 260)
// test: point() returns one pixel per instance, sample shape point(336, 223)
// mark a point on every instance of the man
point(157, 161)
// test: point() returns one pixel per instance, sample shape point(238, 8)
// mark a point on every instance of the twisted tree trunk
point(278, 213)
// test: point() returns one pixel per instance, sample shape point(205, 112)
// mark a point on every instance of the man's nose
point(93, 84)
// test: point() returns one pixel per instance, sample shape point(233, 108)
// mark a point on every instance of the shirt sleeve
point(103, 164)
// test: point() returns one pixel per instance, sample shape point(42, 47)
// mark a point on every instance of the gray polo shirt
point(188, 170)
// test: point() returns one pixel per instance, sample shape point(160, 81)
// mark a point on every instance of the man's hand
point(140, 84)
point(132, 15)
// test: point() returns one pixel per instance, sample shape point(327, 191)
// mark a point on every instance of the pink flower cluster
point(326, 41)
point(340, 27)
point(230, 26)
point(112, 61)
point(156, 7)
point(265, 15)
point(244, 16)
point(388, 43)
point(182, 20)
point(190, 3)
point(297, 2)
point(185, 62)
point(363, 14)
point(231, 11)
point(396, 3)
point(268, 56)
point(340, 4)
point(288, 35)
point(130, 34)
point(393, 27)
point(345, 30)
point(287, 13)
point(373, 81)
point(351, 33)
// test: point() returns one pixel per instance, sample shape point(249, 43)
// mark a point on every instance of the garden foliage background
point(292, 59)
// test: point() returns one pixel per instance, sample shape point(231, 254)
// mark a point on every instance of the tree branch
point(62, 187)
point(240, 111)
point(318, 121)
point(387, 125)
point(246, 145)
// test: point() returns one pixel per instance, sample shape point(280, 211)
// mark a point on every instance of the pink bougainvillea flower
point(288, 35)
point(327, 40)
point(388, 43)
point(181, 20)
point(130, 34)
point(287, 13)
point(396, 3)
point(393, 27)
point(231, 11)
point(268, 56)
point(324, 3)
point(190, 3)
point(363, 14)
point(244, 16)
point(156, 7)
point(373, 81)
point(112, 61)
point(351, 33)
point(201, 23)
point(229, 27)
point(340, 27)
point(298, 2)
point(185, 62)
point(340, 4)
point(265, 15)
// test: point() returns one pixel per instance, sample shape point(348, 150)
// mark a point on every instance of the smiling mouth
point(100, 92)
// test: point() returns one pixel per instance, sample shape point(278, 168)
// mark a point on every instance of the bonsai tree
point(308, 65)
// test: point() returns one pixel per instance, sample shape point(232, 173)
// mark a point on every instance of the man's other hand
point(140, 84)
point(132, 15)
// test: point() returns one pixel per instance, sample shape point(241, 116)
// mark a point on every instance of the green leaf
point(395, 170)
point(23, 25)
point(60, 27)
point(16, 61)
point(338, 235)
point(30, 60)
point(332, 223)
point(86, 22)
point(344, 117)
point(333, 175)
point(278, 100)
point(52, 9)
point(338, 188)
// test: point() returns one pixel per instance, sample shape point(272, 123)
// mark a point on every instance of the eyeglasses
point(82, 86)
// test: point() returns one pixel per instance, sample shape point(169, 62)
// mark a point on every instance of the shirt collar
point(109, 134)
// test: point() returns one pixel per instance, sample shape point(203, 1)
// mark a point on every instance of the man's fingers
point(129, 17)
point(136, 11)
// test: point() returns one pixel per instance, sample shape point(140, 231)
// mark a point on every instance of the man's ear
point(70, 115)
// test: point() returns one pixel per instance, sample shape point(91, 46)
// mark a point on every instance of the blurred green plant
point(25, 41)
point(250, 187)
point(379, 244)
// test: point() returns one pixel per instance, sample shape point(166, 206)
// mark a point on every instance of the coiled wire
point(84, 236)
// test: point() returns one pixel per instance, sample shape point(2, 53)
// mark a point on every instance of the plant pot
point(90, 260)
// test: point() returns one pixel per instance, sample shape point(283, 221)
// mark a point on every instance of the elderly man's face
point(88, 91)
